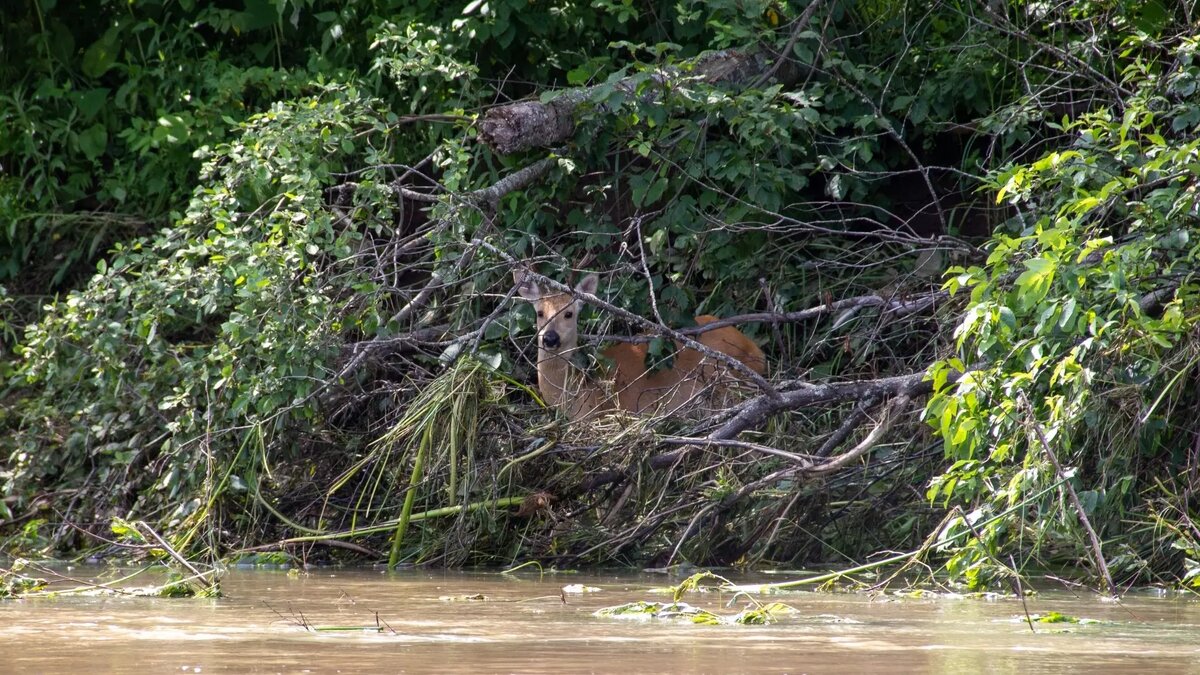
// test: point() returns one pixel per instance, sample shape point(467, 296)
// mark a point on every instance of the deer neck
point(556, 374)
point(566, 386)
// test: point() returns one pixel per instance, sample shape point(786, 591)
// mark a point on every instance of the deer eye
point(541, 314)
point(570, 314)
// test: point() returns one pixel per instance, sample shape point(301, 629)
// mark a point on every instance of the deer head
point(557, 312)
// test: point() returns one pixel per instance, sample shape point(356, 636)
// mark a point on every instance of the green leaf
point(579, 76)
point(490, 359)
point(102, 55)
point(1008, 319)
point(1034, 282)
point(92, 101)
point(93, 141)
point(1068, 314)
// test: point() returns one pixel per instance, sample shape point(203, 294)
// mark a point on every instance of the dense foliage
point(1080, 333)
point(300, 320)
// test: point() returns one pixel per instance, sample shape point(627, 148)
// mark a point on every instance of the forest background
point(256, 257)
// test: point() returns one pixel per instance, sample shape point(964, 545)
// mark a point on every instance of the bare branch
point(515, 181)
point(899, 306)
point(1120, 94)
point(755, 411)
point(885, 423)
point(785, 53)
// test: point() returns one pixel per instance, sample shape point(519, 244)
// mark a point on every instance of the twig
point(688, 530)
point(785, 53)
point(775, 332)
point(926, 546)
point(81, 582)
point(754, 411)
point(514, 181)
point(890, 305)
point(145, 529)
point(852, 422)
point(1021, 593)
point(805, 462)
point(885, 423)
point(333, 543)
point(436, 282)
point(831, 576)
point(1114, 88)
point(890, 130)
point(1083, 519)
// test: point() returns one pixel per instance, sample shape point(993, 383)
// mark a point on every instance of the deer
point(694, 377)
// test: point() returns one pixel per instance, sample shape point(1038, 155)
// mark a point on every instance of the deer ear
point(589, 284)
point(527, 287)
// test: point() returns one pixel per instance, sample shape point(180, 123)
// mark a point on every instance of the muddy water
point(524, 627)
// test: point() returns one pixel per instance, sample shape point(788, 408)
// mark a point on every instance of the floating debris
point(682, 611)
point(477, 597)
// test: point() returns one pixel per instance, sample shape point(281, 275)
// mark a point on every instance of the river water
point(266, 621)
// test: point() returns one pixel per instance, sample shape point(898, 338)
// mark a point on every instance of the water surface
point(524, 627)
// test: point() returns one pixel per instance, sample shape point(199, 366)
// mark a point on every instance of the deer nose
point(550, 339)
